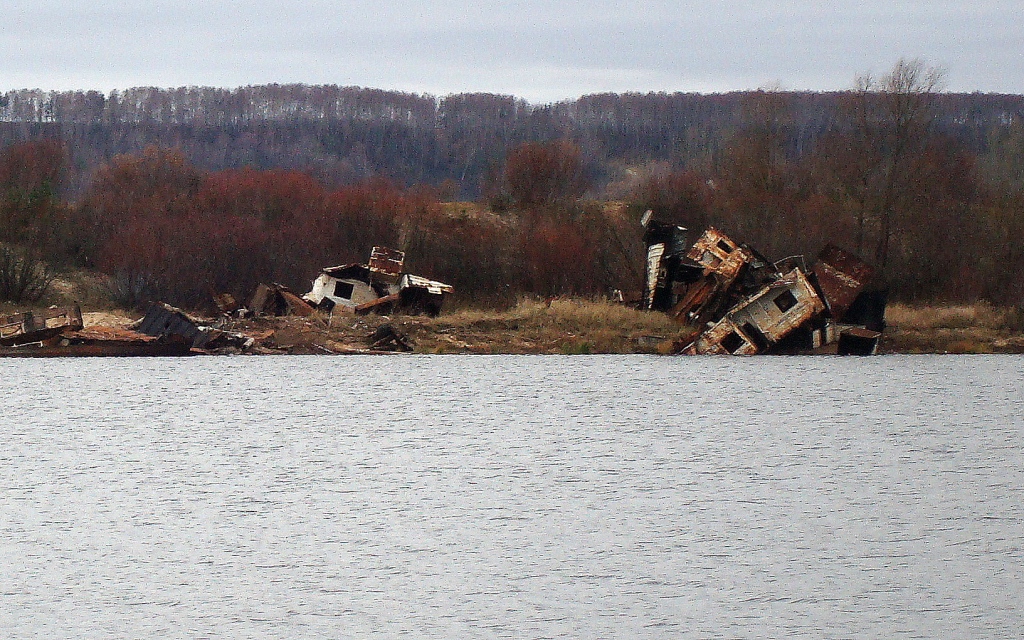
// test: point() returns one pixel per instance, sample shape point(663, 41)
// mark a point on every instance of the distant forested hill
point(342, 135)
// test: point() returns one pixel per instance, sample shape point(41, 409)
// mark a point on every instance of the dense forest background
point(175, 193)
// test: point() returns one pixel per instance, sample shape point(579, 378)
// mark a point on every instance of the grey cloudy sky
point(541, 50)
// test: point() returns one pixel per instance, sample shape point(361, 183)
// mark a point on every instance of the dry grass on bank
point(571, 326)
point(976, 328)
point(558, 326)
point(980, 315)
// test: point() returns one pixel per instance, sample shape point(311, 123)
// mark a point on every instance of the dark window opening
point(724, 247)
point(733, 342)
point(343, 290)
point(785, 301)
point(758, 339)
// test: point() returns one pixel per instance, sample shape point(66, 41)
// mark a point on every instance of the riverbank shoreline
point(575, 326)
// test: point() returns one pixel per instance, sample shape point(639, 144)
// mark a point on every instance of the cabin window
point(725, 248)
point(343, 290)
point(733, 342)
point(757, 338)
point(785, 301)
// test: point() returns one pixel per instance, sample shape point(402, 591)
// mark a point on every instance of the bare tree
point(893, 118)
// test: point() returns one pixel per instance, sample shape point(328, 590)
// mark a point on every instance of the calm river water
point(512, 497)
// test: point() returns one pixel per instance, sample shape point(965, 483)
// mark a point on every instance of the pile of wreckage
point(60, 332)
point(744, 304)
point(380, 287)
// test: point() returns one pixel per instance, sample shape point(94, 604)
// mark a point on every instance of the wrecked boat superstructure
point(31, 327)
point(666, 244)
point(59, 332)
point(705, 279)
point(378, 286)
point(346, 285)
point(745, 304)
point(763, 320)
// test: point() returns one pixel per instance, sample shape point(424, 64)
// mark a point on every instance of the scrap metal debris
point(174, 325)
point(60, 333)
point(28, 327)
point(744, 304)
point(387, 338)
point(379, 286)
point(278, 300)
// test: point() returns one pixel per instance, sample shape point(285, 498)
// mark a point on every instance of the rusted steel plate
point(841, 277)
point(296, 305)
point(387, 262)
point(377, 304)
point(724, 338)
point(31, 326)
point(858, 341)
point(781, 307)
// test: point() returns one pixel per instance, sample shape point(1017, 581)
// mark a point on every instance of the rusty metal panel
point(380, 305)
point(260, 297)
point(226, 302)
point(723, 338)
point(858, 341)
point(780, 307)
point(841, 277)
point(29, 326)
point(295, 304)
point(386, 264)
point(693, 302)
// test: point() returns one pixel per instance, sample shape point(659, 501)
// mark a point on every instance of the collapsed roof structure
point(744, 304)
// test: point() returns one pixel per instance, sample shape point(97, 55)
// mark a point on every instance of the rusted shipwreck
point(60, 332)
point(744, 304)
point(380, 286)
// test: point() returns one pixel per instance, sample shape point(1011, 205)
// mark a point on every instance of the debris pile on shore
point(741, 303)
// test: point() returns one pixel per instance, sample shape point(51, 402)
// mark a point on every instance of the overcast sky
point(541, 50)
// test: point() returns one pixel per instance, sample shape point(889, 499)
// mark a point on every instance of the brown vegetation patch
point(977, 328)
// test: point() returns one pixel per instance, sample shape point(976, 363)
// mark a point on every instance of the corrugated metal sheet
point(433, 286)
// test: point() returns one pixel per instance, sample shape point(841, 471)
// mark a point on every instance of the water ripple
point(512, 497)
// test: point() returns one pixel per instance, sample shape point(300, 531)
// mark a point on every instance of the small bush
point(23, 277)
point(577, 348)
point(1013, 319)
point(130, 290)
